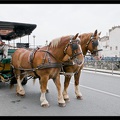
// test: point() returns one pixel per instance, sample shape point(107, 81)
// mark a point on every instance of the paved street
point(101, 97)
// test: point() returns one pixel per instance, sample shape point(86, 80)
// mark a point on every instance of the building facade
point(111, 44)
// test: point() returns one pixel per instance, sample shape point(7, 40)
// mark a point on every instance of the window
point(116, 48)
point(110, 48)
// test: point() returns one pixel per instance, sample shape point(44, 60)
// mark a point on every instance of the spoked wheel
point(24, 81)
point(14, 81)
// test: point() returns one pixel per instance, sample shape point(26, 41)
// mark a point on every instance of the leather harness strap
point(43, 65)
point(32, 54)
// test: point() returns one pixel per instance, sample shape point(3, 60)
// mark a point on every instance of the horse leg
point(77, 89)
point(66, 84)
point(43, 86)
point(61, 101)
point(20, 90)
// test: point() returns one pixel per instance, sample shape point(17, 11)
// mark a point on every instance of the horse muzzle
point(78, 62)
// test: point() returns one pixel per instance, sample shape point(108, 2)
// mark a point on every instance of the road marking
point(101, 91)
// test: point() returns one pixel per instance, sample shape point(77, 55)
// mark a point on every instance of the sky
point(56, 20)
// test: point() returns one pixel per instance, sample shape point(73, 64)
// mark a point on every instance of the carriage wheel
point(24, 81)
point(14, 81)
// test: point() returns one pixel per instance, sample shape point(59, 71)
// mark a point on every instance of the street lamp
point(46, 42)
point(34, 40)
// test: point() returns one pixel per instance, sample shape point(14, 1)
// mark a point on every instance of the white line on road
point(101, 91)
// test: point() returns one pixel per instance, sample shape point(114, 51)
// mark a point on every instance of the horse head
point(91, 43)
point(73, 51)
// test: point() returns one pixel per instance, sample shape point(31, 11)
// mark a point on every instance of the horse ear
point(79, 36)
point(75, 36)
point(99, 33)
point(95, 33)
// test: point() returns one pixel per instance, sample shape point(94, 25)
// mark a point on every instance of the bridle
point(94, 44)
point(74, 46)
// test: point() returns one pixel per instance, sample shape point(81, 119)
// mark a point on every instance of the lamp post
point(34, 40)
point(46, 42)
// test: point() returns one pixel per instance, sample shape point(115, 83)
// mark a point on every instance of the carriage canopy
point(14, 30)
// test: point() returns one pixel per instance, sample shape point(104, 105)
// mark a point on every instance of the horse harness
point(44, 65)
point(94, 44)
point(69, 62)
point(74, 46)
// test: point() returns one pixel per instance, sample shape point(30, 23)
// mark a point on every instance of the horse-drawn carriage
point(11, 31)
point(63, 55)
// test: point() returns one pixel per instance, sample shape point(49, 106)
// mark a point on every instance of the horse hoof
point(79, 97)
point(62, 104)
point(18, 94)
point(45, 105)
point(67, 100)
point(22, 94)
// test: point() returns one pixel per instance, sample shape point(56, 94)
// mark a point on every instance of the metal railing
point(112, 67)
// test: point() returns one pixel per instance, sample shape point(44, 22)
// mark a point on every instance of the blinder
point(95, 43)
point(74, 45)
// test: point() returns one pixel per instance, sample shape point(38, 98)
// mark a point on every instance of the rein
point(50, 54)
point(75, 55)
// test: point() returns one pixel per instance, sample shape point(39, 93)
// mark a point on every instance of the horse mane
point(85, 36)
point(55, 42)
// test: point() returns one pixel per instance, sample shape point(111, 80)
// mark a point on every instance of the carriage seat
point(8, 59)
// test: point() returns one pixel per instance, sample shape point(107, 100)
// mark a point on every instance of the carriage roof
point(14, 30)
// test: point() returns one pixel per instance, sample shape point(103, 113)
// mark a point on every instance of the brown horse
point(89, 41)
point(45, 63)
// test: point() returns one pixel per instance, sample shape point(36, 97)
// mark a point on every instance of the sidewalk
point(103, 70)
